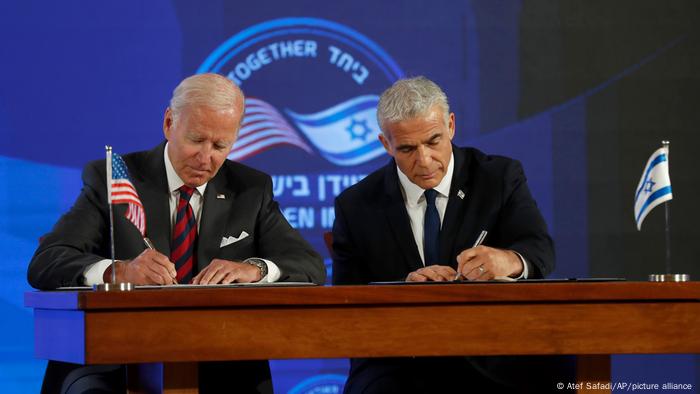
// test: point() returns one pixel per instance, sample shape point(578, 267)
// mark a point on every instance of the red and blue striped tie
point(184, 237)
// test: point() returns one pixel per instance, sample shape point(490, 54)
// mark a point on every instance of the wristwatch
point(258, 262)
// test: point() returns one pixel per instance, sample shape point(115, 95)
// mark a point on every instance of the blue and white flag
point(654, 186)
point(345, 134)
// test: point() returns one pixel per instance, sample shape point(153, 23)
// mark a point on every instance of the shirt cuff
point(273, 271)
point(94, 272)
point(526, 271)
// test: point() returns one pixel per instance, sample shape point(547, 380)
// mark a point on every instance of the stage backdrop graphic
point(533, 80)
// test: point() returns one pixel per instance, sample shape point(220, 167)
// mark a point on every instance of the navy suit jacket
point(373, 241)
point(372, 237)
point(81, 236)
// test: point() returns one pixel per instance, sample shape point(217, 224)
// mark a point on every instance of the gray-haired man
point(416, 220)
point(186, 176)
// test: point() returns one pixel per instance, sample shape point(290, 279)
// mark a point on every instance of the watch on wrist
point(258, 262)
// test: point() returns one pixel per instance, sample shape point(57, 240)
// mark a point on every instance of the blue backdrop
point(77, 75)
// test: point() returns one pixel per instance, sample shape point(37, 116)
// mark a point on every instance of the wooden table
point(592, 320)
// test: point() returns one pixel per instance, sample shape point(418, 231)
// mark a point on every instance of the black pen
point(478, 242)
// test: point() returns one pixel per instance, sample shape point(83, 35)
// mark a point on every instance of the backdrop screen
point(580, 92)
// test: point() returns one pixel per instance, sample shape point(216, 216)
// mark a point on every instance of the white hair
point(211, 90)
point(409, 98)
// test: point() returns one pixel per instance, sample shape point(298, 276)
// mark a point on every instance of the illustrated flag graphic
point(263, 127)
point(345, 134)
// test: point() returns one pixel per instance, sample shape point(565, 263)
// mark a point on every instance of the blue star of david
point(649, 186)
point(358, 129)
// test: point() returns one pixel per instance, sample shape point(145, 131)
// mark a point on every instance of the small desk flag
point(122, 191)
point(654, 186)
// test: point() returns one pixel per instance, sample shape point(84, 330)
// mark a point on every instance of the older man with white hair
point(194, 199)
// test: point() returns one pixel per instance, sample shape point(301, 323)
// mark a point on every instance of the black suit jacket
point(372, 237)
point(81, 236)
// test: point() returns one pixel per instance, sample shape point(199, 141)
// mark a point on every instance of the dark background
point(578, 46)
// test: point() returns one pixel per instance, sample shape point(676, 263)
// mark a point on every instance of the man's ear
point(387, 145)
point(451, 125)
point(167, 123)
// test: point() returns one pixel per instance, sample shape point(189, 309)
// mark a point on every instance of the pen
point(149, 245)
point(478, 242)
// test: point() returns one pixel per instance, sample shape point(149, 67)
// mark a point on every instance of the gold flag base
point(669, 278)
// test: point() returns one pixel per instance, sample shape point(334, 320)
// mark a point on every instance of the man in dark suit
point(417, 218)
point(210, 221)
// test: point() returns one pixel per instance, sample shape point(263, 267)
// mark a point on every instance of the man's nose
point(204, 154)
point(424, 159)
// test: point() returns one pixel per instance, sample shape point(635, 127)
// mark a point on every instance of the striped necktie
point(184, 237)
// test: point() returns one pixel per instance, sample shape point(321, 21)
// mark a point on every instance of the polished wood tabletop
point(175, 327)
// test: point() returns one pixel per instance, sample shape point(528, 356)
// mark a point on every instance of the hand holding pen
point(151, 246)
point(478, 242)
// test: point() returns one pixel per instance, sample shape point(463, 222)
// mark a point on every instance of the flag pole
point(667, 209)
point(668, 277)
point(108, 150)
point(113, 286)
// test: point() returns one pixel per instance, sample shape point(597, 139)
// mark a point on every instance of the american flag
point(124, 192)
point(263, 127)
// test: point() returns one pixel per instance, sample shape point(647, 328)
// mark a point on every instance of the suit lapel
point(152, 186)
point(457, 203)
point(400, 224)
point(218, 198)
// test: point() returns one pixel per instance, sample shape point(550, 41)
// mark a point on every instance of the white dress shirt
point(94, 273)
point(414, 199)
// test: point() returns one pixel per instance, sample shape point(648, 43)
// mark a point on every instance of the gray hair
point(409, 98)
point(212, 90)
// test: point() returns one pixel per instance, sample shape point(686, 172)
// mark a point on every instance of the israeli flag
point(345, 134)
point(654, 187)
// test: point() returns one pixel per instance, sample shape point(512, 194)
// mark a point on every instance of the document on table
point(189, 286)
